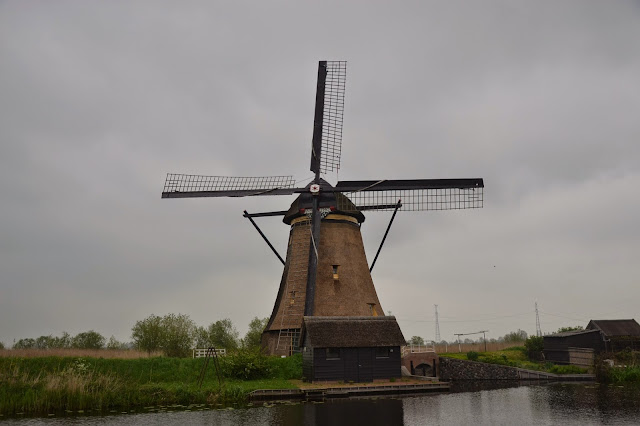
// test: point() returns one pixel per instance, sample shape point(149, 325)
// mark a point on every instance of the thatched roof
point(352, 332)
point(616, 328)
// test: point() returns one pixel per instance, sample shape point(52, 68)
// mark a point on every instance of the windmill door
point(358, 364)
point(365, 364)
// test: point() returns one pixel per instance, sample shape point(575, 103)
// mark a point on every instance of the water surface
point(552, 404)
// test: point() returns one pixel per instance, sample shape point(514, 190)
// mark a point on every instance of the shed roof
point(352, 332)
point(571, 333)
point(620, 327)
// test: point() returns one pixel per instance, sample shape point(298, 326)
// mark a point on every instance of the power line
point(466, 320)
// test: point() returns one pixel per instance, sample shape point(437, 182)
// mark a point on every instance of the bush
point(472, 355)
point(534, 346)
point(626, 357)
point(515, 336)
point(625, 374)
point(173, 334)
point(88, 340)
point(246, 364)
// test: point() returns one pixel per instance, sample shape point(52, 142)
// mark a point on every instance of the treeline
point(174, 335)
point(177, 335)
point(86, 340)
point(519, 336)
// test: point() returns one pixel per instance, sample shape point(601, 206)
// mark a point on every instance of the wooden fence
point(202, 352)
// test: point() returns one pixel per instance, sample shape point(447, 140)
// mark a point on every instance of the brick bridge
point(420, 362)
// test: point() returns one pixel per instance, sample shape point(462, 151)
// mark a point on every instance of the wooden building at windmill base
point(351, 349)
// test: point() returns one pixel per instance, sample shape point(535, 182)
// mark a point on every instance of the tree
point(88, 340)
point(25, 344)
point(201, 337)
point(179, 333)
point(44, 342)
point(148, 334)
point(534, 346)
point(1, 346)
point(253, 336)
point(565, 329)
point(515, 336)
point(416, 341)
point(220, 334)
point(114, 344)
point(63, 341)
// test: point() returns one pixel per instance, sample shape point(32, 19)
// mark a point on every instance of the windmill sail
point(327, 125)
point(416, 194)
point(193, 186)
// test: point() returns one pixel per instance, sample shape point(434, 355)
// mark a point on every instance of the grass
point(625, 374)
point(44, 385)
point(626, 367)
point(516, 356)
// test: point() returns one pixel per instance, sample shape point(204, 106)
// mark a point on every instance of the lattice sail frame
point(415, 199)
point(332, 117)
point(176, 182)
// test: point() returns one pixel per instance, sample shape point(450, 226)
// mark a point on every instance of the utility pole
point(437, 326)
point(469, 334)
point(538, 329)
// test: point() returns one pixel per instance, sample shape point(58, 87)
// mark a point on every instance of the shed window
point(382, 352)
point(333, 353)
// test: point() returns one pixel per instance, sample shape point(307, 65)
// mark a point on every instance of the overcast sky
point(99, 100)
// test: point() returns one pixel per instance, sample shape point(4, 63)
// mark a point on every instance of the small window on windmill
point(335, 273)
point(372, 309)
point(383, 352)
point(292, 299)
point(332, 353)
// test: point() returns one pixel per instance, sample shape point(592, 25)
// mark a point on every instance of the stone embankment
point(451, 369)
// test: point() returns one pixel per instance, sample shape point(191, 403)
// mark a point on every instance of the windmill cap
point(327, 199)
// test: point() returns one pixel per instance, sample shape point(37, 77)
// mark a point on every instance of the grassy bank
point(516, 357)
point(45, 385)
point(625, 368)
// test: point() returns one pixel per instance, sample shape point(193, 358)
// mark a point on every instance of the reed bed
point(48, 385)
point(78, 353)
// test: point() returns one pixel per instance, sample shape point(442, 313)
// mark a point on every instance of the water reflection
point(552, 404)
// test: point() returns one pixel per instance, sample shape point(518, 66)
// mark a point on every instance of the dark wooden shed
point(617, 335)
point(557, 346)
point(351, 349)
point(599, 336)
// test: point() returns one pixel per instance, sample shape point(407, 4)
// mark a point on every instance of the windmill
point(326, 271)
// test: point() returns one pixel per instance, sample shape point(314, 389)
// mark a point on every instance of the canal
point(549, 404)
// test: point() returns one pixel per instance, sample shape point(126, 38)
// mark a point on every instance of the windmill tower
point(326, 271)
